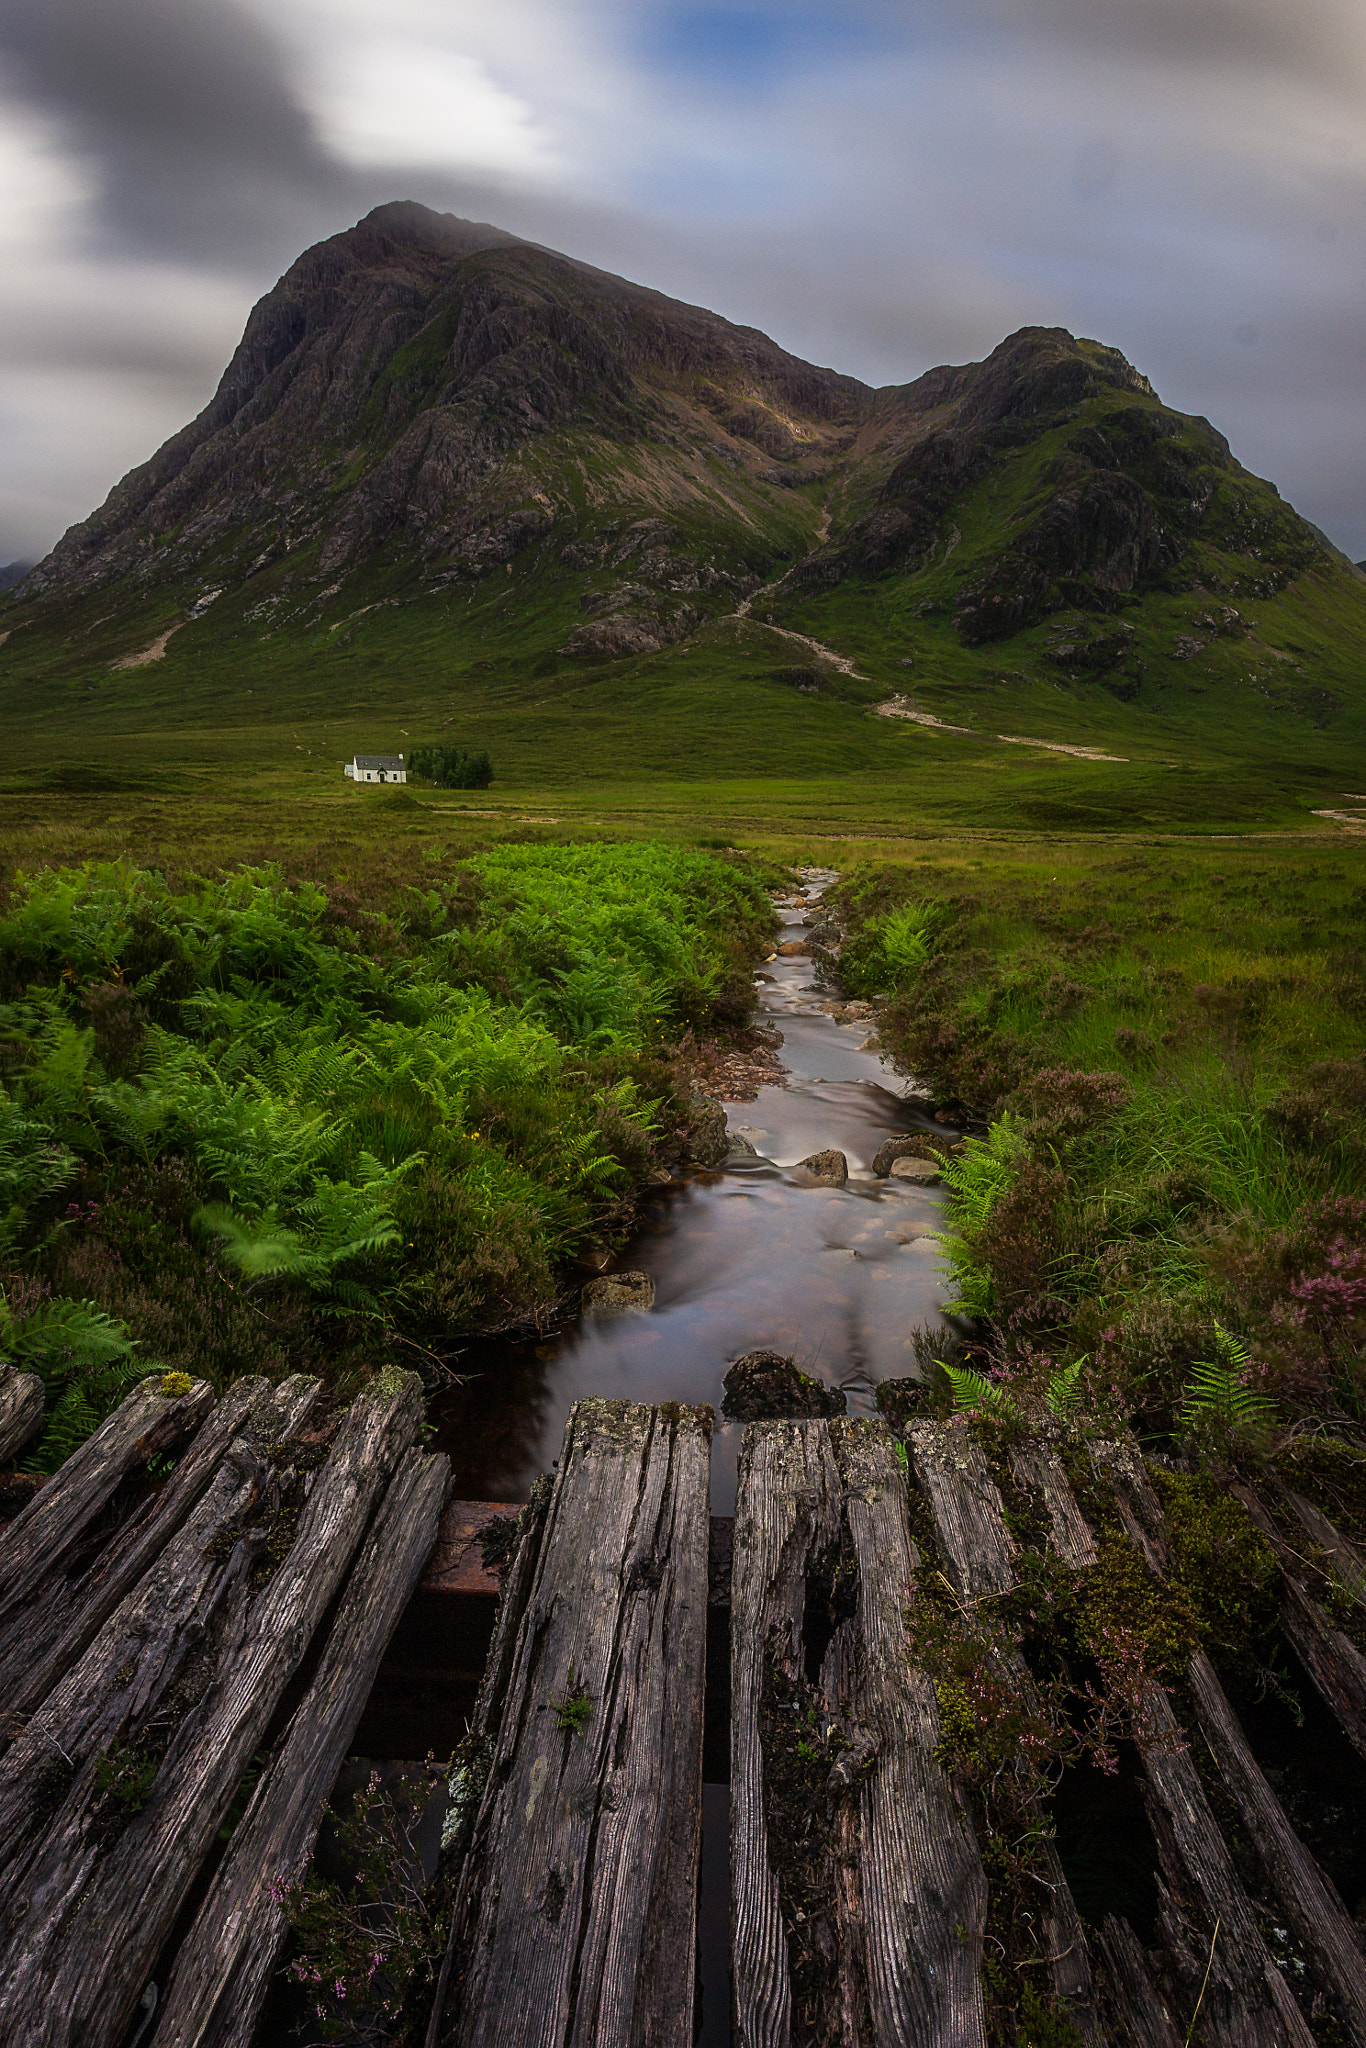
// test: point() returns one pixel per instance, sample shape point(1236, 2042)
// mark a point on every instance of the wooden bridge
point(156, 1638)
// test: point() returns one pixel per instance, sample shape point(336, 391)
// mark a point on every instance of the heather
point(249, 1123)
point(1159, 1057)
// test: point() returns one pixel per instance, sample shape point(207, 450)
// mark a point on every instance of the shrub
point(1064, 1101)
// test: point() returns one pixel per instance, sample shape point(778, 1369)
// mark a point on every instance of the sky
point(881, 185)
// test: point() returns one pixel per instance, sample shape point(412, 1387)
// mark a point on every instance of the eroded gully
point(742, 1259)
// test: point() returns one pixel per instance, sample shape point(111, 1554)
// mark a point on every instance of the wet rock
point(914, 1145)
point(829, 1168)
point(900, 1402)
point(873, 1044)
point(764, 1386)
point(619, 1294)
point(945, 1116)
point(740, 1147)
point(708, 1140)
point(794, 949)
point(922, 1173)
point(858, 1011)
point(594, 1258)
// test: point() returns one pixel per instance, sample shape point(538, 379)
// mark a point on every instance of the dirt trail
point(899, 707)
point(842, 662)
point(152, 653)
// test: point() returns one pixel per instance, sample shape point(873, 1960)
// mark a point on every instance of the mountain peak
point(432, 399)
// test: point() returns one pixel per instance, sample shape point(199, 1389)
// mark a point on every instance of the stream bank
point(743, 1258)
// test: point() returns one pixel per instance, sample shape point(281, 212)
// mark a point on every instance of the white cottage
point(376, 768)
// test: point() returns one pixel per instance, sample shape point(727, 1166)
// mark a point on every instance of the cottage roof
point(379, 760)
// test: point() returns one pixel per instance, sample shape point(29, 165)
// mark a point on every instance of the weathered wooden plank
point(1036, 1465)
point(42, 1640)
point(1342, 1558)
point(911, 1911)
point(159, 1627)
point(978, 1555)
point(147, 1423)
point(224, 1966)
point(897, 1907)
point(1332, 1660)
point(21, 1409)
point(1138, 2012)
point(977, 1547)
point(1209, 1925)
point(581, 1918)
point(787, 1528)
point(457, 1869)
point(456, 1565)
point(84, 1921)
point(1310, 1901)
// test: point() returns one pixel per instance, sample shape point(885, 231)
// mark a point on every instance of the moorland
point(1072, 701)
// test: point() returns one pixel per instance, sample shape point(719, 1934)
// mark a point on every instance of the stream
point(742, 1259)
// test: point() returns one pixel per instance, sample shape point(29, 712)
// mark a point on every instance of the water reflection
point(741, 1259)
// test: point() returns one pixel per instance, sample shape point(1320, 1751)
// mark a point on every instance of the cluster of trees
point(451, 767)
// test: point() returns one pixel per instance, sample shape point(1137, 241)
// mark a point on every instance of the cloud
point(877, 186)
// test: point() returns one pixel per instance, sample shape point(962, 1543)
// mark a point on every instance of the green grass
point(1166, 1052)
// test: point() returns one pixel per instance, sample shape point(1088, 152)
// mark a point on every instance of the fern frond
point(1217, 1391)
point(972, 1391)
point(1064, 1387)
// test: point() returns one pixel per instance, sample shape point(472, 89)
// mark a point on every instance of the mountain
point(12, 573)
point(560, 470)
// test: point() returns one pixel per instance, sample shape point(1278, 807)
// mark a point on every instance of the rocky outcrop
point(765, 1386)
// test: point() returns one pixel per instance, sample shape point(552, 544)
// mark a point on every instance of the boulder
point(827, 1169)
point(740, 1147)
point(619, 1294)
point(793, 949)
point(764, 1386)
point(873, 1044)
point(922, 1173)
point(914, 1145)
point(708, 1140)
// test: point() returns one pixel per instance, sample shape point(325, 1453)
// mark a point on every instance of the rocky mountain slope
point(423, 403)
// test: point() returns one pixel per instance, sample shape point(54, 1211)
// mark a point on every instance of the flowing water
point(742, 1259)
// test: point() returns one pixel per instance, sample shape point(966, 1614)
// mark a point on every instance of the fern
point(971, 1391)
point(976, 1181)
point(32, 1167)
point(85, 1360)
point(1218, 1396)
point(975, 1393)
point(1064, 1388)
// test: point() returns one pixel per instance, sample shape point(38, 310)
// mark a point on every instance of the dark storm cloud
point(201, 148)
